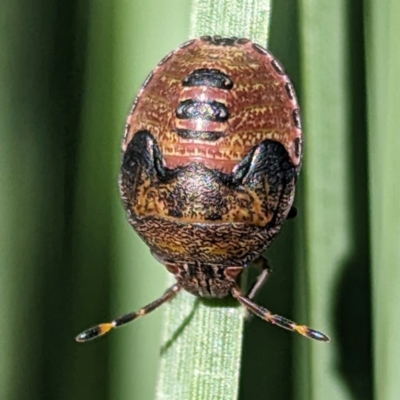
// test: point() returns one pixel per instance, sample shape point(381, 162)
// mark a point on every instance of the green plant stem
point(202, 340)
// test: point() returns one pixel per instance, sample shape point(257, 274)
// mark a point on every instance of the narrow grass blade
point(242, 18)
point(202, 340)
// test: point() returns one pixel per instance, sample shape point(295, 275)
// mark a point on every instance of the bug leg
point(102, 329)
point(262, 263)
point(292, 213)
point(275, 319)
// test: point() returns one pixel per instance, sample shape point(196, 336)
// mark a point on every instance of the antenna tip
point(94, 332)
point(312, 333)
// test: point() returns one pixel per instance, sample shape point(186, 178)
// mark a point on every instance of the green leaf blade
point(201, 357)
point(383, 65)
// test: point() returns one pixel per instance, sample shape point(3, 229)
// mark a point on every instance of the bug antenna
point(275, 319)
point(102, 329)
point(94, 332)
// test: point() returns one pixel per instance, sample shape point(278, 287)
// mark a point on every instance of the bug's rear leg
point(262, 263)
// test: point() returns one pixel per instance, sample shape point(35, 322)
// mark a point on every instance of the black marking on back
point(208, 77)
point(297, 147)
point(242, 41)
point(134, 105)
point(187, 44)
point(166, 58)
point(209, 136)
point(126, 131)
point(143, 152)
point(296, 118)
point(218, 40)
point(268, 162)
point(147, 80)
point(269, 157)
point(267, 170)
point(289, 90)
point(277, 67)
point(173, 212)
point(260, 49)
point(205, 38)
point(208, 110)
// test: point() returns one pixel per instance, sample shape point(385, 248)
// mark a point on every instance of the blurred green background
point(68, 259)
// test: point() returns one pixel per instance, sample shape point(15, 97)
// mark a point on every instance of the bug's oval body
point(211, 153)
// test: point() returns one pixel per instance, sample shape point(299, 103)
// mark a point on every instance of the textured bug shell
point(257, 97)
point(211, 153)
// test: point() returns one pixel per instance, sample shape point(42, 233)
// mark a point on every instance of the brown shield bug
point(211, 153)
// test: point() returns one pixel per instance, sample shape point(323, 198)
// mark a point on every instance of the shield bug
point(210, 157)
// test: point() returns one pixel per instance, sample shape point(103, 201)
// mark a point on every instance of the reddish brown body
point(212, 150)
point(211, 153)
point(260, 101)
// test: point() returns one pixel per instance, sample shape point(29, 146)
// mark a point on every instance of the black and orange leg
point(275, 319)
point(262, 263)
point(102, 329)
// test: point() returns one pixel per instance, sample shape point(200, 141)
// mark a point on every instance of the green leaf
point(242, 18)
point(335, 241)
point(328, 239)
point(202, 340)
point(383, 65)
